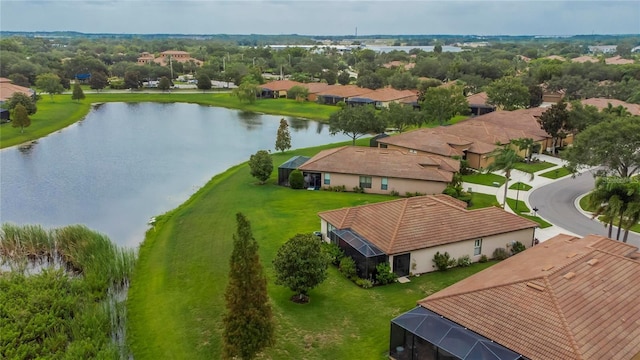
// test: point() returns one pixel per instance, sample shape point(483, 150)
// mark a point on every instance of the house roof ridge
point(563, 319)
point(438, 199)
point(398, 222)
point(514, 282)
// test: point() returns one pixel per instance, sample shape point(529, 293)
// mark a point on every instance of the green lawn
point(534, 166)
point(479, 200)
point(556, 173)
point(521, 206)
point(521, 185)
point(176, 301)
point(543, 224)
point(61, 111)
point(483, 179)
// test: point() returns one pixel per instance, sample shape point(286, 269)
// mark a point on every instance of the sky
point(329, 17)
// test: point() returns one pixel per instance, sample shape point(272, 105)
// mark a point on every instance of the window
point(384, 184)
point(365, 182)
point(327, 179)
point(411, 151)
point(477, 247)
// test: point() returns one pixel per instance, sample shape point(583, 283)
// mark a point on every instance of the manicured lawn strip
point(521, 185)
point(479, 200)
point(522, 206)
point(534, 166)
point(483, 179)
point(61, 112)
point(556, 173)
point(543, 224)
point(176, 299)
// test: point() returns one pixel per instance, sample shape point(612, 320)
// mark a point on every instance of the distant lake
point(125, 163)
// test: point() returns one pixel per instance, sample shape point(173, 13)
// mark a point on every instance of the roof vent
point(417, 206)
point(592, 262)
point(535, 286)
point(548, 267)
point(571, 255)
point(360, 151)
point(569, 275)
point(431, 204)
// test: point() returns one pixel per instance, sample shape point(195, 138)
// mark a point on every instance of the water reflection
point(113, 173)
point(297, 123)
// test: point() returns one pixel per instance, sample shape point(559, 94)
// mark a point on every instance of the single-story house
point(8, 88)
point(278, 88)
point(379, 171)
point(336, 93)
point(618, 60)
point(408, 232)
point(314, 89)
point(602, 103)
point(166, 57)
point(287, 167)
point(567, 298)
point(478, 104)
point(381, 97)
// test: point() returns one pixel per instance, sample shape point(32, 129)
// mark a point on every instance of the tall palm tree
point(505, 159)
point(525, 144)
point(616, 198)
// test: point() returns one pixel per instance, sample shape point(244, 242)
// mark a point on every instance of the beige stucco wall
point(423, 259)
point(402, 186)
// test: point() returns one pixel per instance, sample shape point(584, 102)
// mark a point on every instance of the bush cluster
point(517, 247)
point(500, 254)
point(296, 179)
point(384, 275)
point(443, 261)
point(338, 188)
point(464, 261)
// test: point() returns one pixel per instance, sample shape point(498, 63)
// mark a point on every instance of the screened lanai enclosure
point(366, 255)
point(421, 334)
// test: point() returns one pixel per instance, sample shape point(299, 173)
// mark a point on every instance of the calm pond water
point(125, 163)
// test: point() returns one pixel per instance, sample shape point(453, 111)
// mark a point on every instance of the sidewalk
point(537, 181)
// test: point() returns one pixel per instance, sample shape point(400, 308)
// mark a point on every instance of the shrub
point(464, 261)
point(335, 253)
point(341, 104)
point(500, 254)
point(394, 193)
point(296, 180)
point(348, 268)
point(443, 261)
point(517, 247)
point(358, 189)
point(483, 258)
point(364, 283)
point(385, 276)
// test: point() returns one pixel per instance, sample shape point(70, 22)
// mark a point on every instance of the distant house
point(617, 60)
point(277, 89)
point(478, 104)
point(314, 89)
point(603, 49)
point(337, 93)
point(381, 97)
point(584, 59)
point(379, 171)
point(408, 232)
point(602, 103)
point(145, 58)
point(567, 298)
point(166, 57)
point(8, 88)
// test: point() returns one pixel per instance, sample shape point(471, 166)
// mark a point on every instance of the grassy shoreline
point(60, 111)
point(176, 299)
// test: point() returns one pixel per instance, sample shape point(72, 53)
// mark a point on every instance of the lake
point(125, 163)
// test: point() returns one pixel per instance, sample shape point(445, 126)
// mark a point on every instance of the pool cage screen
point(366, 255)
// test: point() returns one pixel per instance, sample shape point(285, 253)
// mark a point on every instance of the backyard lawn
point(176, 300)
point(479, 200)
point(533, 167)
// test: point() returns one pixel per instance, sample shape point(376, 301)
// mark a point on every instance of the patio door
point(401, 264)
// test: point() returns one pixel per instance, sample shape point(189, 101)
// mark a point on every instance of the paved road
point(555, 203)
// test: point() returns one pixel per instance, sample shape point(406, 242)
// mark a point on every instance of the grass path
point(176, 298)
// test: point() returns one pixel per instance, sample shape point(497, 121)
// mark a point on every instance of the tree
point(440, 104)
point(437, 49)
point(535, 96)
point(508, 93)
point(261, 165)
point(98, 81)
point(49, 83)
point(204, 82)
point(526, 144)
point(301, 265)
point(504, 159)
point(615, 198)
point(403, 81)
point(22, 99)
point(371, 81)
point(331, 76)
point(344, 78)
point(247, 91)
point(77, 94)
point(132, 79)
point(298, 92)
point(248, 322)
point(400, 116)
point(581, 116)
point(20, 118)
point(283, 139)
point(164, 84)
point(613, 144)
point(355, 121)
point(555, 121)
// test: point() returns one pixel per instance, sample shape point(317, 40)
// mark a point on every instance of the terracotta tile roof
point(555, 57)
point(602, 103)
point(477, 99)
point(523, 121)
point(7, 89)
point(432, 141)
point(567, 298)
point(315, 87)
point(344, 91)
point(388, 94)
point(584, 59)
point(618, 60)
point(423, 221)
point(279, 85)
point(174, 52)
point(361, 160)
